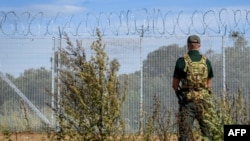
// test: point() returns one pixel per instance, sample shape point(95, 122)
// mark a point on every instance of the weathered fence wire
point(130, 36)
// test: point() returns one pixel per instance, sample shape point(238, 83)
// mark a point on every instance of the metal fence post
point(53, 80)
point(223, 68)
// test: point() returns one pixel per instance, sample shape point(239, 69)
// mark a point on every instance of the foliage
point(19, 116)
point(90, 94)
point(160, 62)
point(36, 81)
point(160, 123)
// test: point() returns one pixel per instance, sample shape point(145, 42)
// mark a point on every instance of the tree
point(239, 39)
point(36, 81)
point(238, 57)
point(90, 94)
point(161, 62)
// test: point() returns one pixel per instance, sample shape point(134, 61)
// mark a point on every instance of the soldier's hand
point(210, 91)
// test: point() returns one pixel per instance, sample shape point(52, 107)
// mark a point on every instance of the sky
point(16, 56)
point(78, 6)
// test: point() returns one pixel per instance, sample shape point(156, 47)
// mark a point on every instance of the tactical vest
point(197, 73)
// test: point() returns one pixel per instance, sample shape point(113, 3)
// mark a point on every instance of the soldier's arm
point(209, 82)
point(175, 83)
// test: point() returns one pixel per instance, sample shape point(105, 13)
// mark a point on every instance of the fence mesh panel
point(149, 62)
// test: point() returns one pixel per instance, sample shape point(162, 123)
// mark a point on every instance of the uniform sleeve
point(178, 70)
point(210, 69)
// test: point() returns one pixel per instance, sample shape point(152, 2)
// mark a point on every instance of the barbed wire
point(141, 22)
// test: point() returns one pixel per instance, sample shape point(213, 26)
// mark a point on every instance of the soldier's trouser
point(189, 111)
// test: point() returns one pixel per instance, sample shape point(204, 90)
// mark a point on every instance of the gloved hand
point(210, 91)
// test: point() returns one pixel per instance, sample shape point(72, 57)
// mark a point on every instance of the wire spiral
point(140, 22)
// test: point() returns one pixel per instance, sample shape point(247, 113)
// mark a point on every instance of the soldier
point(193, 74)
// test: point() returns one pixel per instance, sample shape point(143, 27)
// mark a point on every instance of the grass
point(231, 108)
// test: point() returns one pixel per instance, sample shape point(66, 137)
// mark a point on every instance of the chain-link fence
point(28, 67)
point(28, 64)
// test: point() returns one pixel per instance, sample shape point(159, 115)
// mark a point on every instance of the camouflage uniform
point(197, 97)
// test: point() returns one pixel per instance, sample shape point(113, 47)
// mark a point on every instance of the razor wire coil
point(155, 22)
